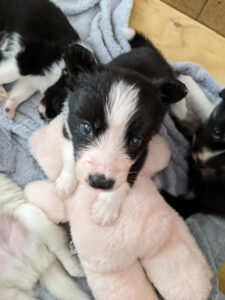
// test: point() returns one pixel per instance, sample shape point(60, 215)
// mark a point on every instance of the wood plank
point(222, 278)
point(190, 7)
point(213, 15)
point(179, 37)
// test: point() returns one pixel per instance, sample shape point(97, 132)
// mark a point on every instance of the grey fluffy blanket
point(99, 22)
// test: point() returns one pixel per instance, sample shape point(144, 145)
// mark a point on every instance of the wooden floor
point(180, 38)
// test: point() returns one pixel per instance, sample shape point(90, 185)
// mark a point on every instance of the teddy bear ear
point(79, 59)
point(222, 94)
point(173, 90)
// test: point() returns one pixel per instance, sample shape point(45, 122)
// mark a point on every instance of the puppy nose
point(99, 181)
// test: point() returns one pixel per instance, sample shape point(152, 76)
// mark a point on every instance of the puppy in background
point(204, 125)
point(111, 113)
point(31, 249)
point(33, 37)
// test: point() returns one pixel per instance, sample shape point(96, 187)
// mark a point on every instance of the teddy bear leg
point(127, 284)
point(43, 194)
point(179, 271)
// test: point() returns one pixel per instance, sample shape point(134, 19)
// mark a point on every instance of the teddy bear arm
point(46, 146)
point(128, 284)
point(188, 275)
point(106, 209)
point(158, 156)
point(43, 194)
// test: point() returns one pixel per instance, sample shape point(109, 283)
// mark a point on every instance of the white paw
point(103, 213)
point(3, 93)
point(106, 209)
point(9, 109)
point(129, 33)
point(73, 267)
point(66, 184)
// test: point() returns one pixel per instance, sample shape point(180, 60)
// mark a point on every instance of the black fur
point(206, 187)
point(137, 166)
point(212, 134)
point(44, 29)
point(148, 61)
point(144, 58)
point(206, 193)
point(54, 98)
point(91, 82)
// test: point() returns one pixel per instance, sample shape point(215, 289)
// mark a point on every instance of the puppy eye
point(136, 142)
point(86, 129)
point(217, 133)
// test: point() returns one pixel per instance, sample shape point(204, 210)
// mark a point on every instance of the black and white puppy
point(209, 147)
point(111, 114)
point(33, 36)
point(206, 188)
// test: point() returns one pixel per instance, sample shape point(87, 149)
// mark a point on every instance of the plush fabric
point(148, 242)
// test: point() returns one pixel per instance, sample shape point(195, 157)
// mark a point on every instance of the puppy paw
point(66, 184)
point(104, 214)
point(77, 270)
point(9, 109)
point(106, 210)
point(73, 266)
point(3, 93)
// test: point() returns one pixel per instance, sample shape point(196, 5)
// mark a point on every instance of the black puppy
point(111, 113)
point(206, 189)
point(160, 73)
point(33, 35)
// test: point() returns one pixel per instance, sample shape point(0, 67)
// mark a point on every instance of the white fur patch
point(10, 48)
point(129, 33)
point(207, 154)
point(66, 182)
point(12, 45)
point(122, 103)
point(47, 242)
point(51, 76)
point(106, 209)
point(196, 101)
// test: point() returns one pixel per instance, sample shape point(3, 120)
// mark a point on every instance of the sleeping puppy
point(206, 188)
point(33, 35)
point(31, 249)
point(111, 113)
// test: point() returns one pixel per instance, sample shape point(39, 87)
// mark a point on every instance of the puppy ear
point(173, 90)
point(222, 94)
point(79, 59)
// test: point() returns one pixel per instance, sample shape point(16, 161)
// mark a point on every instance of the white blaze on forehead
point(122, 103)
point(108, 149)
point(207, 154)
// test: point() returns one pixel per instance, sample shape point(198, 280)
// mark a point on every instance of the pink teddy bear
point(148, 246)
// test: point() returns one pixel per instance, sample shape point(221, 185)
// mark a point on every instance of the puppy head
point(112, 114)
point(209, 146)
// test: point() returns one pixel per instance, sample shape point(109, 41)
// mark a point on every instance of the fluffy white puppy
point(31, 249)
